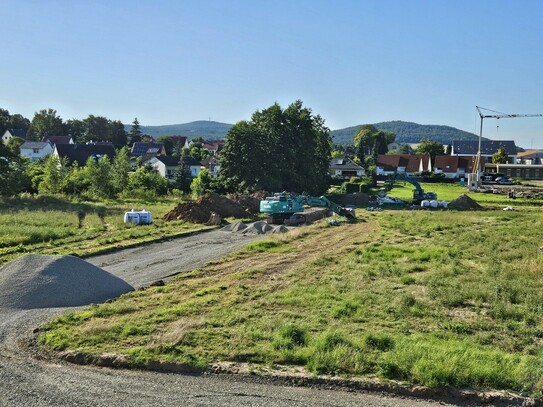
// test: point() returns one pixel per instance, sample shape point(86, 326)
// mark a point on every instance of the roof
point(345, 164)
point(173, 161)
point(17, 132)
point(34, 144)
point(451, 163)
point(528, 153)
point(80, 153)
point(181, 140)
point(210, 160)
point(411, 162)
point(141, 148)
point(488, 147)
point(57, 139)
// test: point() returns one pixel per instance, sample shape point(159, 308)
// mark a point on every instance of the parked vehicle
point(504, 181)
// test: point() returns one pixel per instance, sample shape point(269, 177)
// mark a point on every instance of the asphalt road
point(28, 380)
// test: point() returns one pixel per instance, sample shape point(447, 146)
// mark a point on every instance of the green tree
point(431, 148)
point(12, 172)
point(98, 176)
point(52, 176)
point(117, 133)
point(500, 156)
point(135, 131)
point(369, 143)
point(120, 170)
point(168, 144)
point(181, 177)
point(18, 121)
point(96, 129)
point(76, 129)
point(4, 120)
point(147, 181)
point(405, 149)
point(46, 122)
point(14, 145)
point(277, 150)
point(202, 184)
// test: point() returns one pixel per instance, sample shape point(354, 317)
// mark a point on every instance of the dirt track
point(27, 380)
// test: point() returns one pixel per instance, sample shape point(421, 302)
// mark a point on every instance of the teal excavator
point(289, 208)
point(418, 193)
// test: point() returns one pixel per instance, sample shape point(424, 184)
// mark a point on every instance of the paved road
point(26, 380)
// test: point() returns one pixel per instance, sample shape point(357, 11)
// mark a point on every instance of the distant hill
point(407, 132)
point(206, 129)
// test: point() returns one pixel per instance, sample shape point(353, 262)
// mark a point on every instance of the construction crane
point(497, 115)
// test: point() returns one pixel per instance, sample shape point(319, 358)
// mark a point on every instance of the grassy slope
point(53, 225)
point(436, 298)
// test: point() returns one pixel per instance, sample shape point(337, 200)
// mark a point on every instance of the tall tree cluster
point(278, 149)
point(369, 143)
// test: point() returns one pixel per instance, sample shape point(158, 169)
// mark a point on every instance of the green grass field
point(54, 225)
point(437, 298)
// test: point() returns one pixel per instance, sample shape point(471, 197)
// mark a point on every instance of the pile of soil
point(251, 203)
point(200, 210)
point(464, 202)
point(39, 281)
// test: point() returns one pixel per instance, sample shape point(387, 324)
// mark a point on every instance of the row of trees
point(47, 122)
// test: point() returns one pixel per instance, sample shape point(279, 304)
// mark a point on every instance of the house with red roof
point(408, 164)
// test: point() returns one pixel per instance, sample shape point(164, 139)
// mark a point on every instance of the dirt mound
point(251, 203)
point(258, 228)
point(39, 281)
point(464, 202)
point(200, 210)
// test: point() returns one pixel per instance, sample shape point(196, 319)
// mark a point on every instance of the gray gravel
point(40, 281)
point(28, 380)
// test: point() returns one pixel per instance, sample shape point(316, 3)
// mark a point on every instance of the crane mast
point(496, 115)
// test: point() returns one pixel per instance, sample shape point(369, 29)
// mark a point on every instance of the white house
point(34, 150)
point(167, 165)
point(212, 165)
point(11, 133)
point(345, 168)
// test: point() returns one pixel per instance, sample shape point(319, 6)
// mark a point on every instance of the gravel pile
point(258, 228)
point(280, 229)
point(235, 227)
point(39, 281)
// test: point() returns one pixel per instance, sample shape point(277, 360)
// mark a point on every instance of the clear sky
point(352, 62)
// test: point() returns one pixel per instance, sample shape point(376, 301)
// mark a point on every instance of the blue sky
point(352, 62)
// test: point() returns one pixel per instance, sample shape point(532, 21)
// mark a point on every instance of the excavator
point(289, 208)
point(419, 194)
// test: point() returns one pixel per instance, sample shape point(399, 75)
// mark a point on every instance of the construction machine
point(419, 194)
point(290, 208)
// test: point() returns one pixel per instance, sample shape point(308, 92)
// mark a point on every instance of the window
point(36, 150)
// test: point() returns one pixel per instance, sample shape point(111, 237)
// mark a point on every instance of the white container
point(433, 203)
point(425, 203)
point(142, 217)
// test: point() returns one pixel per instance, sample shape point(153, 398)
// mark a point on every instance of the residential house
point(34, 150)
point(58, 139)
point(453, 166)
point(211, 163)
point(80, 153)
point(11, 133)
point(147, 150)
point(403, 163)
point(530, 157)
point(345, 168)
point(167, 165)
point(469, 148)
point(213, 146)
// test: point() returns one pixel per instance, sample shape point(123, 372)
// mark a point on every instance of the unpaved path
point(27, 380)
